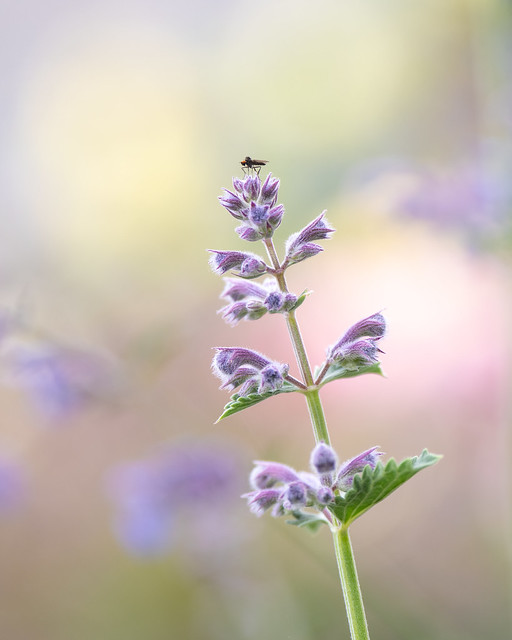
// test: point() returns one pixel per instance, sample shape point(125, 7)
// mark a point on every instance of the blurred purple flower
point(153, 494)
point(473, 197)
point(59, 379)
point(461, 197)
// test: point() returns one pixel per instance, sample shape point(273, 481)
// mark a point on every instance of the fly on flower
point(248, 165)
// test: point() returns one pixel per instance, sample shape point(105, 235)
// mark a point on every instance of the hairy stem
point(315, 408)
point(350, 585)
point(343, 548)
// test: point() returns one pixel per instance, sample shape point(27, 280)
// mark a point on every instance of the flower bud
point(251, 301)
point(355, 355)
point(267, 474)
point(236, 206)
point(228, 359)
point(260, 501)
point(290, 300)
point(236, 289)
point(324, 496)
point(350, 468)
point(323, 459)
point(295, 496)
point(246, 265)
point(235, 312)
point(272, 377)
point(358, 347)
point(246, 232)
point(251, 188)
point(236, 366)
point(373, 326)
point(269, 189)
point(274, 301)
point(255, 309)
point(252, 267)
point(300, 245)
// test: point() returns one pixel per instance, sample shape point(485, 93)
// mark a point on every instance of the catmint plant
point(331, 493)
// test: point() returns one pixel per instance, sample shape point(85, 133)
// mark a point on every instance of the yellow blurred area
point(109, 132)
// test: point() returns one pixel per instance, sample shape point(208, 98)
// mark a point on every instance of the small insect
point(248, 165)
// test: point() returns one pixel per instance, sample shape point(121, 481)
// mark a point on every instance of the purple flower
point(252, 310)
point(251, 301)
point(237, 366)
point(267, 474)
point(153, 494)
point(261, 501)
point(358, 347)
point(272, 377)
point(324, 496)
point(60, 380)
point(301, 245)
point(347, 471)
point(464, 197)
point(254, 204)
point(295, 496)
point(287, 491)
point(261, 222)
point(245, 265)
point(324, 461)
point(236, 290)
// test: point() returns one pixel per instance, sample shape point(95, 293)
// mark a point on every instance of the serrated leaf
point(373, 485)
point(335, 372)
point(311, 521)
point(239, 403)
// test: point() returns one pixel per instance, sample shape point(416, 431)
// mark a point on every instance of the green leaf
point(239, 403)
point(311, 521)
point(335, 372)
point(301, 299)
point(373, 485)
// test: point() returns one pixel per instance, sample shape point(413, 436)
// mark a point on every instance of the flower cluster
point(254, 204)
point(358, 346)
point(237, 366)
point(279, 487)
point(250, 301)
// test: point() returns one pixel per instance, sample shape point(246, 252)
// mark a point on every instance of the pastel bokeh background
point(120, 122)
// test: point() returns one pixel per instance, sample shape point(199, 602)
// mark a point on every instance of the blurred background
point(120, 123)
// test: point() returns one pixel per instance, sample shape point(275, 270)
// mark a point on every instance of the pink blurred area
point(120, 125)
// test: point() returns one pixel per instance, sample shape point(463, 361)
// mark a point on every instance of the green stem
point(342, 546)
point(315, 408)
point(350, 585)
